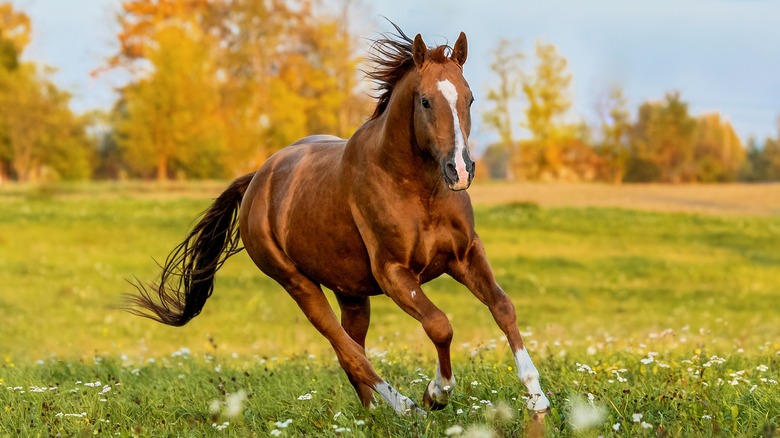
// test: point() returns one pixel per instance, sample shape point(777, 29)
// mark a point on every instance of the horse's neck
point(396, 145)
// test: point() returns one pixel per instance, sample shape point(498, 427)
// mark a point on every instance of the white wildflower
point(454, 430)
point(235, 402)
point(637, 418)
point(646, 425)
point(585, 415)
point(284, 424)
point(616, 427)
point(479, 431)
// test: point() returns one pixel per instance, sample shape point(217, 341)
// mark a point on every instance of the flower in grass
point(585, 415)
point(479, 431)
point(500, 413)
point(307, 396)
point(646, 425)
point(360, 422)
point(584, 368)
point(637, 418)
point(276, 432)
point(235, 402)
point(616, 427)
point(454, 430)
point(284, 424)
point(222, 426)
point(706, 417)
point(763, 368)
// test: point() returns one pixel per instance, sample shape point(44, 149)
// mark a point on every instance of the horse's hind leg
point(355, 316)
point(315, 306)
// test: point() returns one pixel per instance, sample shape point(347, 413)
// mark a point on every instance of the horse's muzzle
point(458, 178)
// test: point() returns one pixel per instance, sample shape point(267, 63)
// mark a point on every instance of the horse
point(382, 212)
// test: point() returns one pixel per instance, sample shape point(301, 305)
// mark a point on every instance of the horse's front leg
point(475, 273)
point(404, 288)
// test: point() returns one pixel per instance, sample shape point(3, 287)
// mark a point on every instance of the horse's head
point(442, 110)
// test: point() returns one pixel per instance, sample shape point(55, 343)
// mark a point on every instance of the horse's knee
point(438, 328)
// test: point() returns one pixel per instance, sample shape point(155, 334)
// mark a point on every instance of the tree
point(615, 134)
point(662, 142)
point(506, 67)
point(547, 92)
point(718, 151)
point(554, 142)
point(39, 135)
point(277, 71)
point(171, 122)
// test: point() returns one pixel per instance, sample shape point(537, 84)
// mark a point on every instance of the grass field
point(642, 323)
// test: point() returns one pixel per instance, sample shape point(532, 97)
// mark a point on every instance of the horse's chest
point(437, 247)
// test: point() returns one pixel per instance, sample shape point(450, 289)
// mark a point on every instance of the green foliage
point(40, 137)
point(681, 306)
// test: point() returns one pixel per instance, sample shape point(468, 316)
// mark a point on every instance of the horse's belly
point(335, 257)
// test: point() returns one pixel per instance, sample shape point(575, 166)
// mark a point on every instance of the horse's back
point(297, 210)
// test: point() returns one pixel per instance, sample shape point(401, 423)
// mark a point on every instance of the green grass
point(606, 288)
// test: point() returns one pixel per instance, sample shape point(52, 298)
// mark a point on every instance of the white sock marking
point(530, 377)
point(399, 402)
point(440, 388)
point(451, 95)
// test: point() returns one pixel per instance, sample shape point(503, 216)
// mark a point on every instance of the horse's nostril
point(450, 169)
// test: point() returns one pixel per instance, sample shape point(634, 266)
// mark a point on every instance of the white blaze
point(451, 95)
point(530, 377)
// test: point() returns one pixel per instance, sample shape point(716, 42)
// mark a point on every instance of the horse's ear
point(419, 50)
point(461, 49)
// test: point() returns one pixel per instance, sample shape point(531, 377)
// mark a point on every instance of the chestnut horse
point(380, 213)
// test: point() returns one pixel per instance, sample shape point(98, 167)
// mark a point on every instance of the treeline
point(219, 85)
point(662, 142)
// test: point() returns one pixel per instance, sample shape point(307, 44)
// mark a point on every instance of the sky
point(721, 55)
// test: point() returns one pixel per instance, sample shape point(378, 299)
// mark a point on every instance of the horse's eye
point(471, 101)
point(425, 103)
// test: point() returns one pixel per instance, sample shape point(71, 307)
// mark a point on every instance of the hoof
point(433, 402)
point(538, 403)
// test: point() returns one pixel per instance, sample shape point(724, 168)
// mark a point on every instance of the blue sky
point(721, 55)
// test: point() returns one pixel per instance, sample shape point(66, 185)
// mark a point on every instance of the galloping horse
point(382, 212)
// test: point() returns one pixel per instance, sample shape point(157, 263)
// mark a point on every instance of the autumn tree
point(273, 71)
point(557, 149)
point(508, 73)
point(718, 153)
point(615, 129)
point(40, 137)
point(171, 122)
point(662, 144)
point(763, 161)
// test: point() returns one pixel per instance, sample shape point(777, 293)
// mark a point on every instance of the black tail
point(187, 278)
